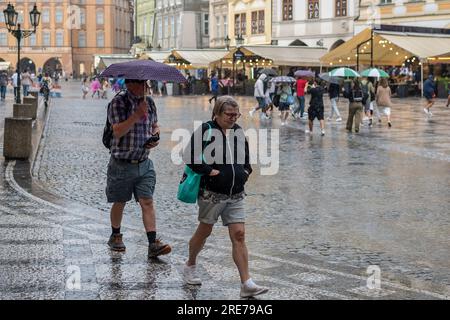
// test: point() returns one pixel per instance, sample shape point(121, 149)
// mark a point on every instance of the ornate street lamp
point(14, 28)
point(239, 40)
point(227, 41)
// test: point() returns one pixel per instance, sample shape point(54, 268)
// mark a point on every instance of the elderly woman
point(225, 172)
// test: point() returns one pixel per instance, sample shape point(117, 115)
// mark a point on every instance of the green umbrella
point(374, 73)
point(344, 72)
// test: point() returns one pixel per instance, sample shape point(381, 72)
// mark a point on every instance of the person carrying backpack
point(369, 92)
point(357, 100)
point(131, 131)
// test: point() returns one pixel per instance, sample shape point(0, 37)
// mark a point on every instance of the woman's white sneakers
point(190, 275)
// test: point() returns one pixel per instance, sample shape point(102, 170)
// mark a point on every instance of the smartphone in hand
point(152, 139)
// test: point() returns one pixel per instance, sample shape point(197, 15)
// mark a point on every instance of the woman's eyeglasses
point(232, 115)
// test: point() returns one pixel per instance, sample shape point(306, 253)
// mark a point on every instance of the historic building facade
point(70, 33)
point(219, 23)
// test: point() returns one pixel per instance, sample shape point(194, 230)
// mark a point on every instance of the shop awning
point(102, 62)
point(281, 56)
point(158, 56)
point(390, 48)
point(198, 59)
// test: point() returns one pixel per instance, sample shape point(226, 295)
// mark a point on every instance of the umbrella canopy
point(326, 76)
point(375, 73)
point(143, 70)
point(283, 79)
point(344, 72)
point(304, 73)
point(269, 72)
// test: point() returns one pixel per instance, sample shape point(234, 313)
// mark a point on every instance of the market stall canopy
point(390, 48)
point(158, 56)
point(281, 55)
point(196, 58)
point(102, 62)
point(5, 65)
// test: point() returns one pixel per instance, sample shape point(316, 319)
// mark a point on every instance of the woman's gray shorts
point(230, 211)
point(125, 179)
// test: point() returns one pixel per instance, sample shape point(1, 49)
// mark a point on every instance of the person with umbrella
point(134, 131)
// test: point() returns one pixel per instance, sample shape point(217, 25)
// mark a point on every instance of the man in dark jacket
point(220, 152)
point(316, 107)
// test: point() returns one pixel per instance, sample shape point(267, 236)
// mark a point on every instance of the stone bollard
point(24, 111)
point(34, 94)
point(17, 138)
point(33, 101)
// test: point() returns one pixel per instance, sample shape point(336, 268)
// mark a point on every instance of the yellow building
point(428, 13)
point(252, 19)
point(70, 33)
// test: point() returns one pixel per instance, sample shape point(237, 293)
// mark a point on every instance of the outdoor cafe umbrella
point(304, 73)
point(326, 77)
point(283, 79)
point(374, 73)
point(269, 72)
point(143, 70)
point(344, 72)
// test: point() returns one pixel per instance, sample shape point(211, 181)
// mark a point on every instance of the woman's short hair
point(221, 103)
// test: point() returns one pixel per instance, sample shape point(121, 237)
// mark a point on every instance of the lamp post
point(227, 41)
point(239, 55)
point(14, 28)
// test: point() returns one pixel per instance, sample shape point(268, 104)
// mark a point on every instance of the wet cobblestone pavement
point(339, 204)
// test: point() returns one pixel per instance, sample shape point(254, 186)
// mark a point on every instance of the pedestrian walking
point(448, 98)
point(333, 93)
point(316, 107)
point(383, 99)
point(301, 87)
point(429, 91)
point(374, 105)
point(134, 121)
point(369, 91)
point(214, 87)
point(286, 100)
point(95, 88)
point(3, 84)
point(26, 82)
point(260, 94)
point(221, 190)
point(84, 88)
point(356, 100)
point(14, 80)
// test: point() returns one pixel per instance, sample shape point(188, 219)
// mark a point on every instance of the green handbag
point(189, 186)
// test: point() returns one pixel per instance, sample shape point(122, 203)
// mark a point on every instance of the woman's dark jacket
point(233, 175)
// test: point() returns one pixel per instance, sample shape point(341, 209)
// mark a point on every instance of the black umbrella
point(269, 72)
point(143, 70)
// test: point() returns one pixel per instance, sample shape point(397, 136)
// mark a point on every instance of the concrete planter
point(25, 111)
point(17, 138)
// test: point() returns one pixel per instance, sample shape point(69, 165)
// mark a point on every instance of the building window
point(218, 25)
point(81, 39)
point(206, 24)
point(46, 38)
point(20, 16)
point(58, 15)
point(59, 38)
point(99, 17)
point(32, 40)
point(82, 17)
point(2, 18)
point(385, 1)
point(341, 8)
point(287, 10)
point(313, 9)
point(261, 22)
point(225, 26)
point(166, 27)
point(160, 29)
point(100, 39)
point(45, 16)
point(254, 22)
point(258, 22)
point(240, 24)
point(172, 26)
point(3, 38)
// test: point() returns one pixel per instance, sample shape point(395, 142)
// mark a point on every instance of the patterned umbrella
point(374, 73)
point(283, 79)
point(143, 70)
point(344, 72)
point(304, 73)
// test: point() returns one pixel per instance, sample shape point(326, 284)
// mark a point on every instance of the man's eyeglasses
point(232, 115)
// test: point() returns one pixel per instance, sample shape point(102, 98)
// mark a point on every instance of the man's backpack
point(358, 95)
point(108, 130)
